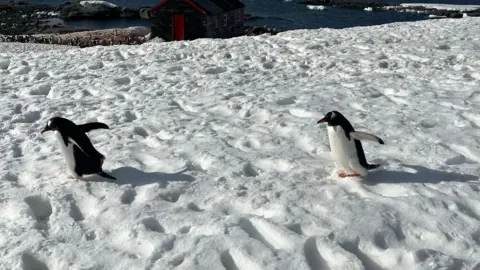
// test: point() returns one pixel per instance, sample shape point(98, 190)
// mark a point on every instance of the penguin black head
point(333, 118)
point(55, 123)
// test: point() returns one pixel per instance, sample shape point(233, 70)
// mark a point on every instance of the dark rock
point(84, 39)
point(343, 3)
point(75, 11)
point(259, 30)
point(433, 11)
point(20, 19)
point(397, 8)
point(473, 13)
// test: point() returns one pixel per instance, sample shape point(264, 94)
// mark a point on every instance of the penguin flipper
point(359, 135)
point(104, 174)
point(91, 126)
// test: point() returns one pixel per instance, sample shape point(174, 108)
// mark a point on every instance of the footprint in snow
point(128, 196)
point(174, 69)
point(96, 65)
point(286, 101)
point(129, 116)
point(40, 207)
point(269, 234)
point(28, 117)
point(4, 64)
point(215, 70)
point(30, 262)
point(41, 90)
point(17, 109)
point(140, 131)
point(249, 170)
point(21, 70)
point(40, 75)
point(122, 80)
point(192, 206)
point(312, 254)
point(153, 225)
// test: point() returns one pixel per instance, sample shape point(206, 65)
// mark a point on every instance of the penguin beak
point(45, 129)
point(323, 120)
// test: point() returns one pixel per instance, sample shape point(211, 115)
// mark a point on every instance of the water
point(284, 14)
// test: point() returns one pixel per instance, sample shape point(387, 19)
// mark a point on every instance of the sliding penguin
point(346, 147)
point(80, 155)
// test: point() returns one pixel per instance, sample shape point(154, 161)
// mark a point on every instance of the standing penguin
point(80, 155)
point(346, 147)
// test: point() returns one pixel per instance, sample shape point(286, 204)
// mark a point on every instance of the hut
point(192, 19)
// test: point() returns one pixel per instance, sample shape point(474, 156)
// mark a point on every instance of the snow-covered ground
point(442, 6)
point(220, 162)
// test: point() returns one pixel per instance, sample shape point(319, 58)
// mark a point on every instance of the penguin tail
point(106, 175)
point(373, 166)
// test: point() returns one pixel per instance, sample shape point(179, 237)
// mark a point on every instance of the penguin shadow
point(135, 177)
point(416, 174)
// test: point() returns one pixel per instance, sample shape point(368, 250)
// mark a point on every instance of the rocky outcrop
point(260, 30)
point(343, 3)
point(29, 19)
point(95, 10)
point(372, 5)
point(22, 18)
point(126, 36)
point(436, 11)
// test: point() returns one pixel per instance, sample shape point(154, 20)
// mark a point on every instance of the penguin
point(80, 156)
point(346, 147)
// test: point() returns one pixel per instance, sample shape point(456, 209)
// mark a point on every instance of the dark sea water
point(284, 14)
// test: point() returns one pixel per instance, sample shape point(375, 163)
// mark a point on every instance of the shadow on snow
point(416, 174)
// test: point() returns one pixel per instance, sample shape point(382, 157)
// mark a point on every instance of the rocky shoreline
point(34, 23)
point(446, 13)
point(27, 19)
point(39, 23)
point(436, 12)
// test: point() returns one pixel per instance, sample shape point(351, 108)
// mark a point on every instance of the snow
point(220, 162)
point(94, 4)
point(49, 13)
point(316, 7)
point(442, 6)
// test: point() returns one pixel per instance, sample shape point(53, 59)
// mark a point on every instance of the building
point(192, 19)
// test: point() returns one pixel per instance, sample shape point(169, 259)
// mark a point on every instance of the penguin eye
point(332, 115)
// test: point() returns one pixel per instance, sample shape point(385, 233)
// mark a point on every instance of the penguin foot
point(344, 174)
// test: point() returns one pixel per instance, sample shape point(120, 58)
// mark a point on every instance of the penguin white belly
point(67, 152)
point(343, 150)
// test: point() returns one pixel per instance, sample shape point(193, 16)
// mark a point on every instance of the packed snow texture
point(442, 6)
point(220, 162)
